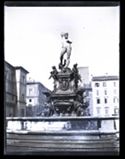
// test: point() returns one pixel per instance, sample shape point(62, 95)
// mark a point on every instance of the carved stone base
point(64, 98)
point(63, 103)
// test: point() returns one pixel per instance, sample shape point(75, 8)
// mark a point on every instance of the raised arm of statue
point(50, 75)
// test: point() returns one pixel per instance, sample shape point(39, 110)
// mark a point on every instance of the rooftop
point(20, 67)
point(6, 63)
point(16, 67)
point(38, 83)
point(105, 78)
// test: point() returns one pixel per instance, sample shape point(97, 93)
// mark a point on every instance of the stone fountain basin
point(63, 106)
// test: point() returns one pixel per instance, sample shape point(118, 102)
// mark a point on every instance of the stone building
point(105, 95)
point(10, 90)
point(35, 98)
point(15, 90)
point(21, 90)
point(87, 97)
point(86, 85)
point(84, 72)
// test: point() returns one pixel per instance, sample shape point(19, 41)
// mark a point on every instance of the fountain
point(65, 128)
point(66, 98)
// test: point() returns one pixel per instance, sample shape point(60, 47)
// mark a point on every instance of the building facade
point(105, 95)
point(86, 85)
point(87, 97)
point(15, 90)
point(35, 98)
point(21, 90)
point(84, 73)
point(10, 90)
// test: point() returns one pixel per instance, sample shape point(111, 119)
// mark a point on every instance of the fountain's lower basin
point(68, 123)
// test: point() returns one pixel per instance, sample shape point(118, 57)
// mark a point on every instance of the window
point(9, 76)
point(22, 112)
point(97, 92)
point(98, 110)
point(114, 84)
point(104, 84)
point(84, 100)
point(23, 96)
point(105, 100)
point(96, 84)
point(30, 100)
point(87, 93)
point(106, 110)
point(6, 73)
point(105, 92)
point(115, 99)
point(23, 79)
point(114, 91)
point(98, 101)
point(84, 94)
point(13, 98)
point(30, 90)
point(116, 111)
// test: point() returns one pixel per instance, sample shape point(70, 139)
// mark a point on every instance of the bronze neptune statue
point(66, 49)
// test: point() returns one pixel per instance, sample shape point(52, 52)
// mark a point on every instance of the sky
point(32, 39)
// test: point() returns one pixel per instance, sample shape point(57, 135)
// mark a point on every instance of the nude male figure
point(66, 49)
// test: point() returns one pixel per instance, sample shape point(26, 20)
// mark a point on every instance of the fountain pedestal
point(67, 98)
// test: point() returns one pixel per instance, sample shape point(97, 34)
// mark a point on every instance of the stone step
point(73, 138)
point(61, 132)
point(62, 141)
point(24, 149)
point(54, 142)
point(61, 137)
point(62, 145)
